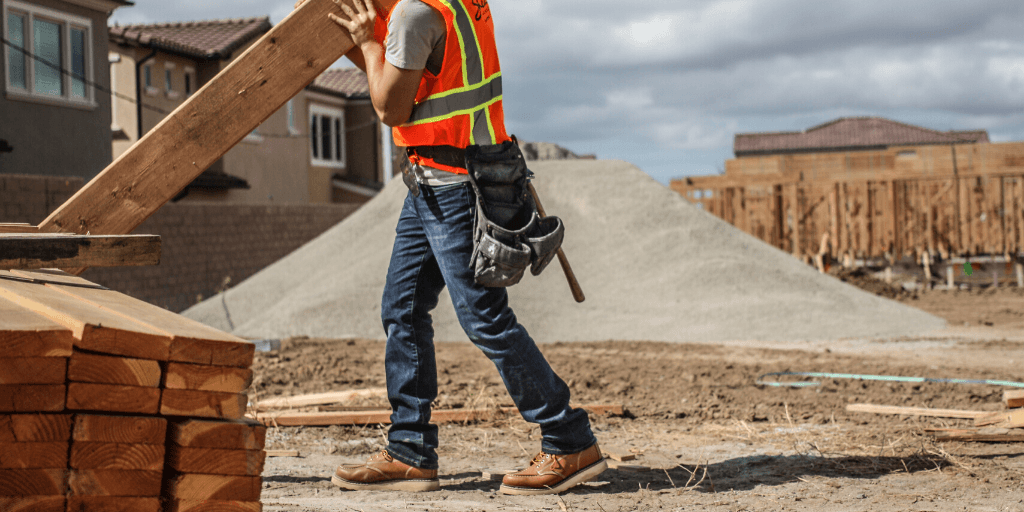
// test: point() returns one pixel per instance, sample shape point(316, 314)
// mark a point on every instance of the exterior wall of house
point(31, 199)
point(53, 137)
point(363, 134)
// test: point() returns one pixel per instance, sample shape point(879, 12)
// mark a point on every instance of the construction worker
point(433, 74)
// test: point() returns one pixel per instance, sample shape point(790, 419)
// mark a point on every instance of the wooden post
point(949, 277)
point(1020, 275)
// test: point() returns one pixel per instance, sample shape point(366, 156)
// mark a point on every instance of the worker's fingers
point(342, 22)
point(346, 9)
point(370, 9)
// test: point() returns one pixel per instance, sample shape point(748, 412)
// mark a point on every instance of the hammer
point(574, 285)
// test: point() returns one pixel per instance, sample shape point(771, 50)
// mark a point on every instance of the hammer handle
point(574, 285)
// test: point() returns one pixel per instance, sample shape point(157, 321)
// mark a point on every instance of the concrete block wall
point(208, 247)
point(31, 199)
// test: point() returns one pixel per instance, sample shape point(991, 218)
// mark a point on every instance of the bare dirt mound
point(653, 267)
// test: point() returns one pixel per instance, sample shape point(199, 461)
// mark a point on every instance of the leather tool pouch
point(508, 234)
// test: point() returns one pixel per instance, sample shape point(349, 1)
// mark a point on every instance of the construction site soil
point(711, 437)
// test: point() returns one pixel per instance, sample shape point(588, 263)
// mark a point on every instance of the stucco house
point(55, 106)
point(323, 146)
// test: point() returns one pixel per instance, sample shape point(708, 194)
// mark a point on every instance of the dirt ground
point(713, 438)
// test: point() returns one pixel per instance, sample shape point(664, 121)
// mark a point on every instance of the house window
point(147, 73)
point(49, 54)
point(327, 136)
point(168, 75)
point(190, 81)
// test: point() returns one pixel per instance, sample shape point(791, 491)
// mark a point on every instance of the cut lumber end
point(1013, 398)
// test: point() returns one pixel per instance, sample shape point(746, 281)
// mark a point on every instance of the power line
point(112, 93)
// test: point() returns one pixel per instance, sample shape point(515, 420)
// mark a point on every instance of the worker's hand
point(360, 22)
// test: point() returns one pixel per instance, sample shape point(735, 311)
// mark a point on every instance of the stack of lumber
point(99, 399)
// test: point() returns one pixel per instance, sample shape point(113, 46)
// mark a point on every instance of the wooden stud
point(138, 457)
point(229, 435)
point(35, 428)
point(47, 250)
point(214, 487)
point(319, 398)
point(113, 482)
point(112, 504)
point(203, 404)
point(33, 398)
point(210, 461)
point(982, 438)
point(914, 411)
point(384, 416)
point(207, 378)
point(101, 369)
point(33, 370)
point(113, 398)
point(119, 429)
point(34, 455)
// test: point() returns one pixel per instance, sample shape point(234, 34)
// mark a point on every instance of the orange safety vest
point(462, 105)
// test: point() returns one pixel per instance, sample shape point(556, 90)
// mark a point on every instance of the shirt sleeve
point(413, 32)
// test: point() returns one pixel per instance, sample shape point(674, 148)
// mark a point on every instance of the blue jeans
point(432, 250)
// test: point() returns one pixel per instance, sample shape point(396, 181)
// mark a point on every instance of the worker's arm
point(392, 89)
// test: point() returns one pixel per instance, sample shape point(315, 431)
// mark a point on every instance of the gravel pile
point(653, 267)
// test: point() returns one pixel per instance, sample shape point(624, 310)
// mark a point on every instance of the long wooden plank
point(384, 416)
point(99, 428)
point(1013, 398)
point(52, 455)
point(229, 435)
point(25, 333)
point(207, 125)
point(213, 506)
point(113, 482)
point(318, 399)
point(210, 461)
point(214, 487)
point(28, 251)
point(101, 369)
point(32, 504)
point(191, 341)
point(18, 227)
point(207, 378)
point(35, 428)
point(33, 370)
point(113, 398)
point(982, 438)
point(33, 398)
point(139, 457)
point(1006, 419)
point(33, 482)
point(93, 328)
point(112, 504)
point(203, 404)
point(915, 411)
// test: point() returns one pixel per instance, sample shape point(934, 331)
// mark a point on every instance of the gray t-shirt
point(416, 40)
point(416, 37)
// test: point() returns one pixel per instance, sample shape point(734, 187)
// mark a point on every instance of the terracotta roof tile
point(348, 82)
point(215, 39)
point(848, 133)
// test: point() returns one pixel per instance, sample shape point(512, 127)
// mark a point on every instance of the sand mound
point(653, 267)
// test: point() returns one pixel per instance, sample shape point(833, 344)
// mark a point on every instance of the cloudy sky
point(666, 84)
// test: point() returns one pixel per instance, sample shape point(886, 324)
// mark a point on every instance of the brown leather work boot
point(552, 474)
point(381, 472)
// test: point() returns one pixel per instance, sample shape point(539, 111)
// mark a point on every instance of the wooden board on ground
point(52, 455)
point(33, 482)
point(35, 428)
point(1008, 419)
point(32, 504)
point(112, 504)
point(208, 124)
point(138, 457)
point(119, 429)
point(28, 334)
point(113, 398)
point(214, 487)
point(213, 506)
point(228, 435)
point(1013, 398)
point(100, 369)
point(48, 250)
point(914, 411)
point(207, 378)
point(282, 453)
point(33, 370)
point(383, 416)
point(203, 404)
point(318, 399)
point(210, 461)
point(113, 482)
point(982, 438)
point(187, 340)
point(93, 328)
point(32, 398)
point(618, 453)
point(496, 475)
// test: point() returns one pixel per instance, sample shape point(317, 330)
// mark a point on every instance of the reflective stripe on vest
point(479, 92)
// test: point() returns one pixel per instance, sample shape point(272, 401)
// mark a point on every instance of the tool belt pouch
point(509, 235)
